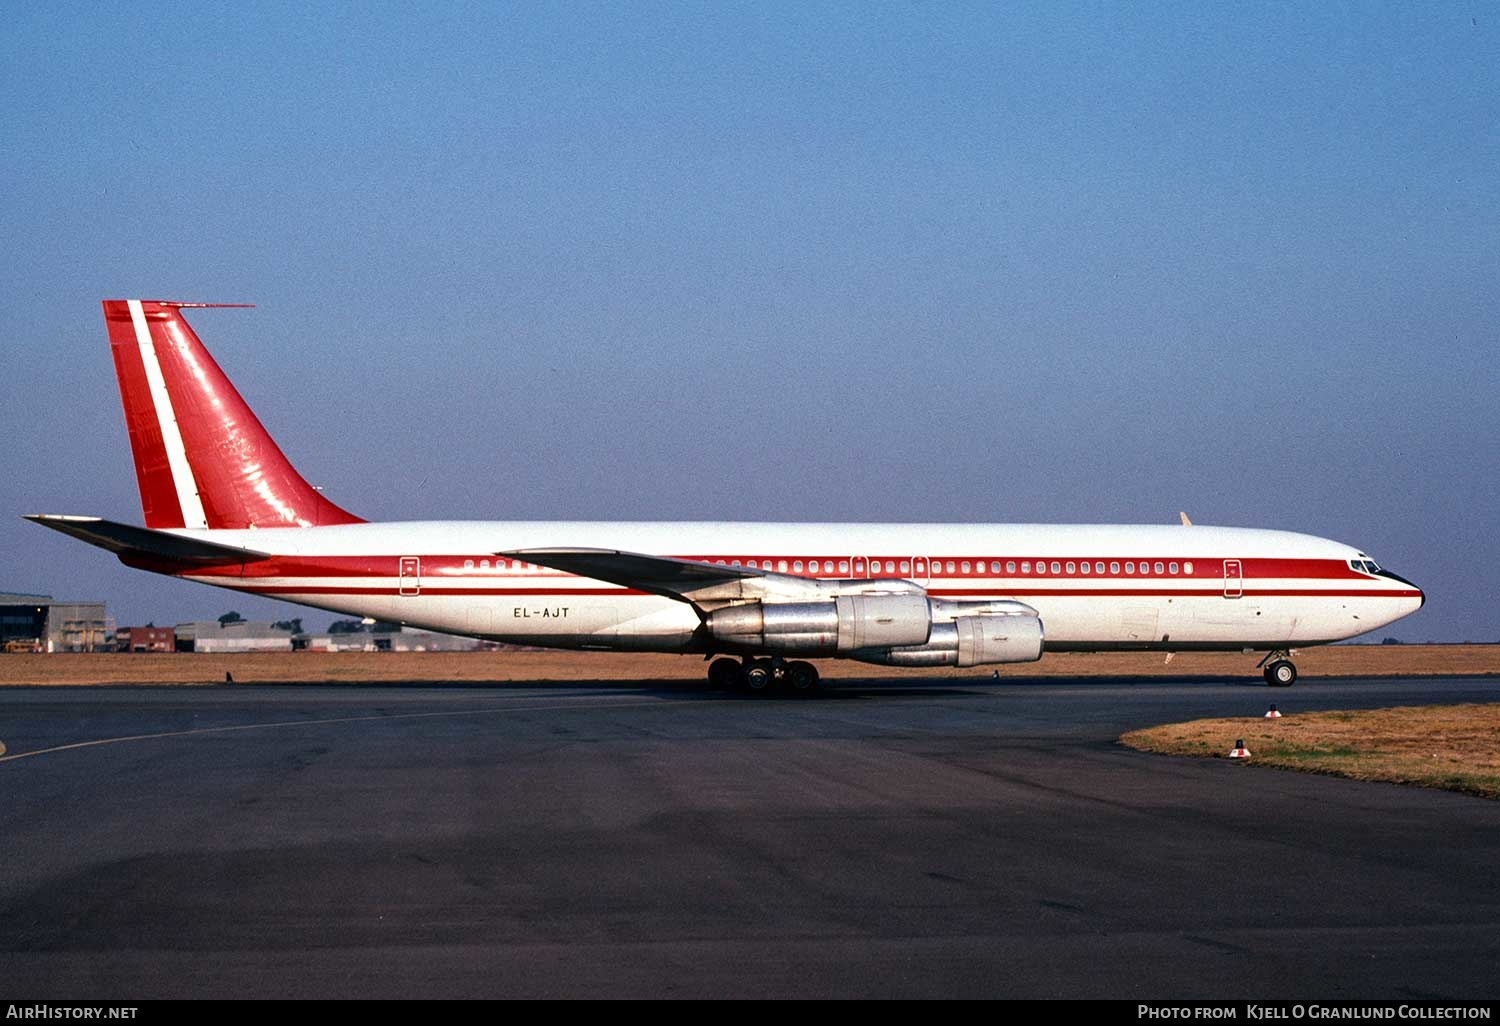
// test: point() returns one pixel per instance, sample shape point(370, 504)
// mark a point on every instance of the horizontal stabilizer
point(125, 539)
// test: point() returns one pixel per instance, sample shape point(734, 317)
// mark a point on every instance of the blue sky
point(998, 262)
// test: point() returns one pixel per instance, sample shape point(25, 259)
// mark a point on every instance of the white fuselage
point(1095, 587)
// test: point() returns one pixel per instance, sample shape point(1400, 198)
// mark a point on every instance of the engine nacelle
point(847, 624)
point(970, 641)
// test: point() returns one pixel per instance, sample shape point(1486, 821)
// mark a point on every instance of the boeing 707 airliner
point(223, 506)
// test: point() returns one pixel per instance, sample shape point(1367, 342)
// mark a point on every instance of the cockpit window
point(1369, 566)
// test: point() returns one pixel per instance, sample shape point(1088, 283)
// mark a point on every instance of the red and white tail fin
point(202, 458)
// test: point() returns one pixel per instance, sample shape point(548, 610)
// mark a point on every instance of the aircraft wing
point(127, 540)
point(702, 585)
point(680, 579)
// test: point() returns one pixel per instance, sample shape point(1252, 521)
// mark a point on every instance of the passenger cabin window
point(1129, 567)
point(1041, 567)
point(1010, 566)
point(1056, 567)
point(1025, 566)
point(781, 566)
point(1187, 568)
point(1114, 567)
point(905, 567)
point(951, 567)
point(1099, 567)
point(797, 566)
point(966, 566)
point(843, 566)
point(1084, 566)
point(1159, 567)
point(1072, 567)
point(468, 564)
point(1171, 568)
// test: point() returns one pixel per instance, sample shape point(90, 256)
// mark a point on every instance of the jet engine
point(1014, 637)
point(847, 624)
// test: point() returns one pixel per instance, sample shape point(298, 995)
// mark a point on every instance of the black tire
point(725, 673)
point(801, 677)
point(758, 677)
point(1281, 674)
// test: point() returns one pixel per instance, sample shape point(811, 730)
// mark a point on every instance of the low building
point(145, 639)
point(23, 622)
point(78, 627)
point(405, 640)
point(38, 623)
point(236, 636)
point(348, 641)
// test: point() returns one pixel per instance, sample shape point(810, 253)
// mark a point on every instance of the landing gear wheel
point(724, 673)
point(1281, 674)
point(758, 677)
point(801, 678)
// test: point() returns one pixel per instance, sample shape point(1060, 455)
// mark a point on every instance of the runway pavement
point(943, 840)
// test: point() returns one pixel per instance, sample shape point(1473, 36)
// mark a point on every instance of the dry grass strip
point(1453, 747)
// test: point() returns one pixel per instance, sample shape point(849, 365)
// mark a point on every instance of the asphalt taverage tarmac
point(945, 840)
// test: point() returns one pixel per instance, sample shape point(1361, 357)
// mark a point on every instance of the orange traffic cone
point(1272, 714)
point(1240, 751)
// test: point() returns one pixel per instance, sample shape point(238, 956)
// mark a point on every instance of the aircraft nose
point(1421, 595)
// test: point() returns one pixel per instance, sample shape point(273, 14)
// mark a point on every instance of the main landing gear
point(762, 676)
point(1278, 669)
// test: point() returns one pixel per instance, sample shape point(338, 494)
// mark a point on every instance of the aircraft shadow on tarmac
point(829, 690)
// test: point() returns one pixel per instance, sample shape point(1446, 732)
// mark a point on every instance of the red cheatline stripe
point(1204, 568)
point(1249, 592)
point(291, 589)
point(282, 589)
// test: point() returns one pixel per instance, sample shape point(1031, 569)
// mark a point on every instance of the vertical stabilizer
point(202, 458)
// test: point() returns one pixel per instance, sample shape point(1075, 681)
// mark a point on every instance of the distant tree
point(345, 627)
point(386, 627)
point(1391, 641)
point(294, 625)
point(229, 618)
